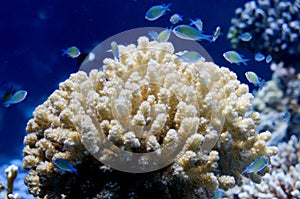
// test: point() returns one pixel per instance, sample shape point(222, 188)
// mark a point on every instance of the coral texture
point(274, 26)
point(284, 179)
point(147, 101)
point(278, 104)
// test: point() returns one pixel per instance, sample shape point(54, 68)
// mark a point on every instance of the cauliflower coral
point(181, 129)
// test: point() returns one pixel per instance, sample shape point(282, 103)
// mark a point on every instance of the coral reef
point(274, 26)
point(278, 104)
point(13, 175)
point(148, 101)
point(282, 182)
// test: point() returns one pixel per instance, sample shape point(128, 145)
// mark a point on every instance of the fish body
point(64, 165)
point(254, 79)
point(268, 59)
point(175, 18)
point(218, 194)
point(164, 35)
point(153, 35)
point(259, 56)
point(216, 34)
point(189, 33)
point(115, 50)
point(246, 36)
point(190, 56)
point(234, 58)
point(198, 23)
point(71, 52)
point(17, 97)
point(256, 166)
point(286, 116)
point(156, 12)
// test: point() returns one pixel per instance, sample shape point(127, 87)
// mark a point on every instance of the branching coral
point(278, 104)
point(149, 102)
point(274, 26)
point(284, 179)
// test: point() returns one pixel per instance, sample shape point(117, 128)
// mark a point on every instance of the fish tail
point(64, 52)
point(261, 84)
point(167, 7)
point(245, 61)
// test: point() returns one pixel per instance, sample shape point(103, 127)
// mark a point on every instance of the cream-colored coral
point(149, 102)
point(282, 182)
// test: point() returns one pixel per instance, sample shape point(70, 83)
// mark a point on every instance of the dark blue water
point(32, 34)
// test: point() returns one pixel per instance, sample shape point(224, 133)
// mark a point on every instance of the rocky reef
point(148, 104)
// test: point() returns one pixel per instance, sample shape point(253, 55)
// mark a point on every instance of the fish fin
point(109, 51)
point(261, 84)
point(244, 61)
point(167, 7)
point(64, 52)
point(7, 104)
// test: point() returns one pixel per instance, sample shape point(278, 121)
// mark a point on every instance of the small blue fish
point(198, 23)
point(153, 35)
point(163, 36)
point(115, 50)
point(64, 165)
point(268, 59)
point(175, 18)
point(190, 56)
point(71, 52)
point(6, 91)
point(216, 34)
point(234, 58)
point(256, 166)
point(218, 194)
point(17, 97)
point(156, 12)
point(189, 33)
point(254, 79)
point(246, 36)
point(259, 56)
point(286, 116)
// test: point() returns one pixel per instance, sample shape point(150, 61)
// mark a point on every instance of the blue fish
point(189, 33)
point(175, 18)
point(198, 23)
point(17, 97)
point(256, 166)
point(268, 59)
point(217, 33)
point(64, 165)
point(6, 91)
point(286, 116)
point(259, 56)
point(246, 36)
point(71, 52)
point(190, 56)
point(218, 194)
point(254, 79)
point(156, 12)
point(115, 50)
point(234, 58)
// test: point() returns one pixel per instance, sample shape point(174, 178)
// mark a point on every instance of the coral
point(280, 96)
point(274, 26)
point(149, 103)
point(13, 175)
point(284, 179)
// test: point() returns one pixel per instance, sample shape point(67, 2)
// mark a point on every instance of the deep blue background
point(34, 32)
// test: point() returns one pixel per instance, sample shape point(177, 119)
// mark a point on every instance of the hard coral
point(274, 26)
point(284, 179)
point(149, 102)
